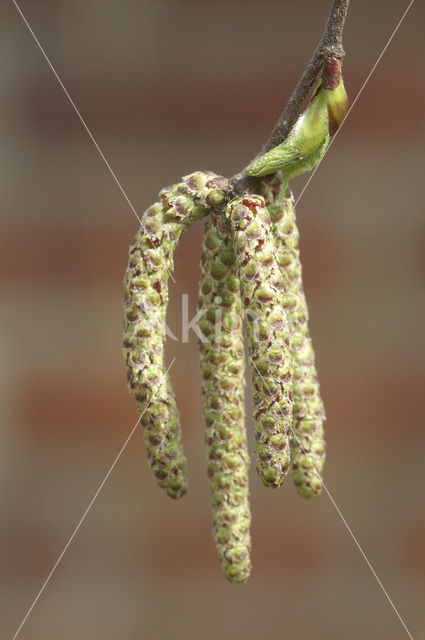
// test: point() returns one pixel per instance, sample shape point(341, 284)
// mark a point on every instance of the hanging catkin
point(251, 278)
point(262, 290)
point(223, 381)
point(145, 306)
point(307, 441)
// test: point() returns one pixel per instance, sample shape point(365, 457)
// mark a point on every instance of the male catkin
point(223, 381)
point(145, 306)
point(307, 440)
point(262, 290)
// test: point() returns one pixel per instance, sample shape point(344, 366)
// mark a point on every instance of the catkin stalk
point(262, 291)
point(222, 368)
point(307, 441)
point(145, 306)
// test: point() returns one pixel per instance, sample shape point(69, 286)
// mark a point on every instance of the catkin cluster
point(250, 288)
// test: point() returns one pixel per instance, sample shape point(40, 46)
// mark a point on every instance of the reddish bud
point(331, 73)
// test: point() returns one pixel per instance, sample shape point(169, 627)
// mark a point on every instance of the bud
point(336, 95)
point(307, 141)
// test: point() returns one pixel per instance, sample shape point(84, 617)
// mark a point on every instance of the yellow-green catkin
point(262, 290)
point(145, 306)
point(222, 368)
point(307, 441)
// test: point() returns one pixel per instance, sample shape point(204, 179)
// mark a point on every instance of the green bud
point(308, 140)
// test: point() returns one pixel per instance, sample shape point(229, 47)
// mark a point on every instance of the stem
point(330, 44)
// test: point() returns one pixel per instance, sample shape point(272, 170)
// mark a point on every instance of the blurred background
point(168, 87)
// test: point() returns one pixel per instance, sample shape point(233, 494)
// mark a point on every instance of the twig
point(330, 45)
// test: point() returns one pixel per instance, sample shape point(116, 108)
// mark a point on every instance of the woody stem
point(330, 44)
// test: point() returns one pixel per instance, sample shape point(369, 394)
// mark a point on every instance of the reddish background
point(168, 87)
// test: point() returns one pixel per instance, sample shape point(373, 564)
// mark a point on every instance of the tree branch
point(330, 44)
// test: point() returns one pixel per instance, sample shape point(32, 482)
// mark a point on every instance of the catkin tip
point(176, 493)
point(237, 575)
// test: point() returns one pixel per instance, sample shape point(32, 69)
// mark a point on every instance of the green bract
point(309, 138)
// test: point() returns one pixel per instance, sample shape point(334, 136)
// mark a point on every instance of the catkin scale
point(307, 441)
point(145, 306)
point(223, 381)
point(262, 291)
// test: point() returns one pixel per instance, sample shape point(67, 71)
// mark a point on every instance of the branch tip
point(330, 46)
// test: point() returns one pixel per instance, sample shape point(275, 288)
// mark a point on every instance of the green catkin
point(263, 294)
point(145, 306)
point(222, 368)
point(307, 441)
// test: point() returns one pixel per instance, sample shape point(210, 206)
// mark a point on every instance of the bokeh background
point(168, 87)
